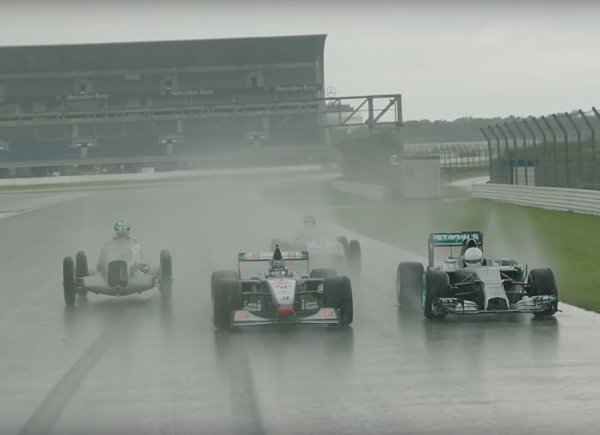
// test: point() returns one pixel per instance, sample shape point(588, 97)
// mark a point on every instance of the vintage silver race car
point(325, 251)
point(120, 271)
point(484, 286)
point(280, 296)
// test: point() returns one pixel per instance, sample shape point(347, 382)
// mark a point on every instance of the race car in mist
point(120, 270)
point(472, 284)
point(280, 296)
point(325, 251)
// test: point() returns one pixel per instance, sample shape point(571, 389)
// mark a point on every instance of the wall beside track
point(553, 198)
point(150, 176)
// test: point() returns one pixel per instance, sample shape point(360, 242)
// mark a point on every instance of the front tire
point(409, 283)
point(69, 288)
point(165, 276)
point(437, 285)
point(227, 298)
point(338, 294)
point(219, 275)
point(543, 283)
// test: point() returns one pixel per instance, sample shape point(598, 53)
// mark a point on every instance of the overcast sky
point(448, 59)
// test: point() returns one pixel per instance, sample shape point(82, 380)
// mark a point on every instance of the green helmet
point(122, 228)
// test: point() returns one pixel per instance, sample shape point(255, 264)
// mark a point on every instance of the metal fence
point(557, 150)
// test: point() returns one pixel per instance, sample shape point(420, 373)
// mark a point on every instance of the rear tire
point(409, 284)
point(543, 283)
point(437, 285)
point(227, 298)
point(338, 294)
point(165, 276)
point(218, 276)
point(354, 257)
point(69, 288)
point(322, 273)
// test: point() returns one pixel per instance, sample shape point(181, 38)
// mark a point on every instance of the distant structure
point(136, 102)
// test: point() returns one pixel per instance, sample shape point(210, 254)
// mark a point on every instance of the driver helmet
point(277, 268)
point(473, 257)
point(310, 221)
point(121, 228)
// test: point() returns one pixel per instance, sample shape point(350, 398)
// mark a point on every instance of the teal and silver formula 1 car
point(473, 284)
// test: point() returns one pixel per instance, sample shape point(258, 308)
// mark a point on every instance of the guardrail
point(553, 198)
point(171, 175)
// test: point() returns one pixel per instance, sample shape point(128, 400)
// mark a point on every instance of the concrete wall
point(553, 198)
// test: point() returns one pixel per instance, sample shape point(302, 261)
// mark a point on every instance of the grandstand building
point(157, 101)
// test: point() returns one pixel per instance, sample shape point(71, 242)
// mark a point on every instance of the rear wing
point(245, 257)
point(437, 240)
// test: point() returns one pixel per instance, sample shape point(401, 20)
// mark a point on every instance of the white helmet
point(473, 257)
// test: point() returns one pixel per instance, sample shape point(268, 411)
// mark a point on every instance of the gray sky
point(448, 59)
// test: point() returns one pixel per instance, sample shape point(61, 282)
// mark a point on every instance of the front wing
point(325, 316)
point(533, 304)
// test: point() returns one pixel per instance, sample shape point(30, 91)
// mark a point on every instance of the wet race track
point(132, 365)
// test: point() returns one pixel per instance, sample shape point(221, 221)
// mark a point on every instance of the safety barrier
point(149, 176)
point(553, 198)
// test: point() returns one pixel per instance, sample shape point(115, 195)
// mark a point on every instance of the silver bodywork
point(124, 256)
point(491, 279)
point(285, 294)
point(282, 296)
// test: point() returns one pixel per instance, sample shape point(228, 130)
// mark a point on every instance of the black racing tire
point(409, 284)
point(81, 271)
point(354, 257)
point(218, 276)
point(165, 275)
point(344, 242)
point(227, 298)
point(437, 285)
point(322, 273)
point(542, 282)
point(337, 293)
point(81, 265)
point(69, 285)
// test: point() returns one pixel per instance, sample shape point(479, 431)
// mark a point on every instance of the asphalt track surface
point(132, 365)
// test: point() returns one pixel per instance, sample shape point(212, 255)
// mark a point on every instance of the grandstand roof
point(160, 54)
